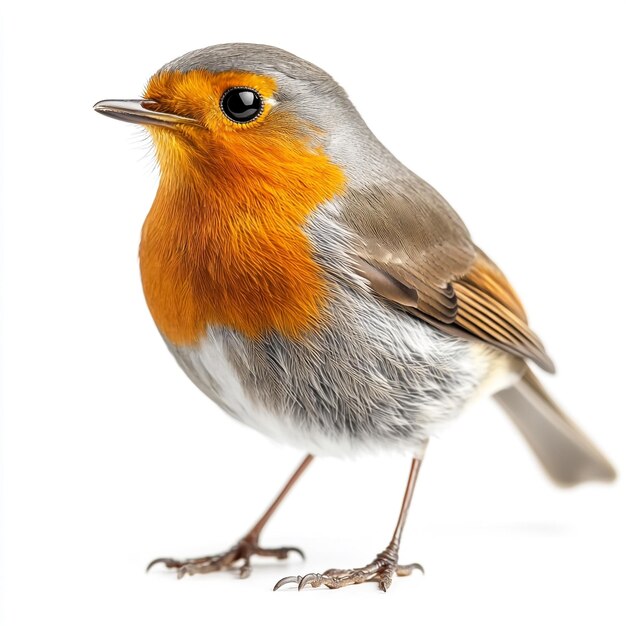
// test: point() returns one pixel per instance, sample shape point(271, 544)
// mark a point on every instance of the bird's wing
point(416, 252)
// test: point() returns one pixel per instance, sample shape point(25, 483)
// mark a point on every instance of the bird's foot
point(240, 552)
point(380, 570)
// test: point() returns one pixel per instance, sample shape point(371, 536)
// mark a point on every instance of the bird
point(320, 292)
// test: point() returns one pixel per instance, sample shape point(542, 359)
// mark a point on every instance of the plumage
point(567, 454)
point(223, 242)
point(417, 240)
point(370, 377)
point(318, 290)
point(378, 248)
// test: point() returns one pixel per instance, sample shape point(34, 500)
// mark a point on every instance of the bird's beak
point(141, 112)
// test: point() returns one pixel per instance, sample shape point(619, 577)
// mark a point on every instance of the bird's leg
point(381, 569)
point(245, 548)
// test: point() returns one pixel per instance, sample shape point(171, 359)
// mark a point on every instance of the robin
point(318, 290)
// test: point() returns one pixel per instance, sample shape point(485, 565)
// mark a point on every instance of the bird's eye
point(241, 104)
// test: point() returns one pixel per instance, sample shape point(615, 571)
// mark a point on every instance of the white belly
point(373, 378)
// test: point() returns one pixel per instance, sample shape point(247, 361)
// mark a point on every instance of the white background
point(111, 457)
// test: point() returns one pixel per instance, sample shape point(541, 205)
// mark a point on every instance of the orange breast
point(223, 243)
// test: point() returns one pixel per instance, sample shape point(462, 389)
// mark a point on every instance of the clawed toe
point(169, 563)
point(201, 565)
point(241, 552)
point(280, 553)
point(381, 570)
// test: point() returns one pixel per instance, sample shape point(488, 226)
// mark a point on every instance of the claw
point(299, 552)
point(286, 580)
point(405, 570)
point(166, 561)
point(314, 579)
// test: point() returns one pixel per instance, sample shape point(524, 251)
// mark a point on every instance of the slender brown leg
point(245, 548)
point(382, 568)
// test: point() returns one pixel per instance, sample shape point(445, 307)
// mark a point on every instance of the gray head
point(289, 70)
point(245, 86)
point(304, 88)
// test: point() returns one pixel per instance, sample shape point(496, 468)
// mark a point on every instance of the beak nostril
point(150, 105)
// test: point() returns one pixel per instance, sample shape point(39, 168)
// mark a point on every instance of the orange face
point(224, 243)
point(197, 94)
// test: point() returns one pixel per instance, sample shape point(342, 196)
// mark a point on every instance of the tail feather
point(565, 452)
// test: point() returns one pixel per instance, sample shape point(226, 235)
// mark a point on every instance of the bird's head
point(241, 110)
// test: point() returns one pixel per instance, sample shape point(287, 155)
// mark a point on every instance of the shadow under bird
point(318, 290)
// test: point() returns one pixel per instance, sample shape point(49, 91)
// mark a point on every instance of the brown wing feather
point(418, 254)
point(486, 276)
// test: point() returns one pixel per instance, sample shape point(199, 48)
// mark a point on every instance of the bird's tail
point(566, 453)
